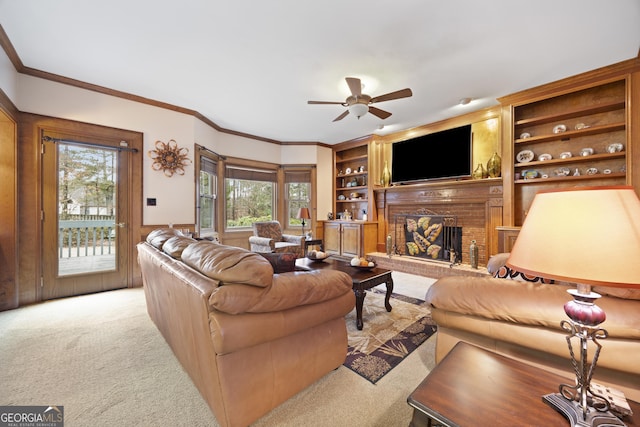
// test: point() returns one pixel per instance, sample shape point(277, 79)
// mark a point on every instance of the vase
point(386, 175)
point(473, 254)
point(494, 166)
point(479, 172)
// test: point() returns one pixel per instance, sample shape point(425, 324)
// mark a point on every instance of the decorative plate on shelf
point(348, 171)
point(544, 157)
point(525, 135)
point(592, 171)
point(530, 174)
point(581, 126)
point(563, 172)
point(615, 148)
point(559, 129)
point(565, 155)
point(525, 156)
point(586, 151)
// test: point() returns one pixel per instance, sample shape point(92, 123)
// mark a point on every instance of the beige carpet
point(102, 358)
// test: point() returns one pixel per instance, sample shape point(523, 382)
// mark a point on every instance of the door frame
point(55, 285)
point(30, 196)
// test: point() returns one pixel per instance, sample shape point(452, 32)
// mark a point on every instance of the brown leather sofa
point(248, 338)
point(522, 320)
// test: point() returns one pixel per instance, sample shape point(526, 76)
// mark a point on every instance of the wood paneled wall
point(8, 205)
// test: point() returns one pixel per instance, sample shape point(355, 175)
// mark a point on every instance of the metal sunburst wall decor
point(168, 158)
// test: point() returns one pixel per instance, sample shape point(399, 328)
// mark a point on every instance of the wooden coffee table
point(475, 387)
point(362, 279)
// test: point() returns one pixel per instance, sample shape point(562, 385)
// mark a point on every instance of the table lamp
point(589, 236)
point(303, 213)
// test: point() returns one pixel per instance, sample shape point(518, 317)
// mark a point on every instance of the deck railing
point(80, 238)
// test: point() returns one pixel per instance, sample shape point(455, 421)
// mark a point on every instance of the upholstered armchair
point(268, 237)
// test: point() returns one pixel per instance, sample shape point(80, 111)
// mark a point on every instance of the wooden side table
point(475, 387)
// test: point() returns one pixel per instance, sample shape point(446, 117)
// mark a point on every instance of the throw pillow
point(281, 262)
point(505, 272)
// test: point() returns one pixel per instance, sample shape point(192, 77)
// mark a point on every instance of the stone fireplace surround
point(477, 204)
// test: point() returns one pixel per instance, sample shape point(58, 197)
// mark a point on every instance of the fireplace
point(428, 235)
point(468, 210)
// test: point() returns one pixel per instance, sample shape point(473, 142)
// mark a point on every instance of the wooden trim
point(6, 44)
point(9, 213)
point(8, 48)
point(8, 106)
point(595, 77)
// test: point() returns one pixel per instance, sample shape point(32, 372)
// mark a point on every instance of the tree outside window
point(298, 196)
point(297, 189)
point(249, 196)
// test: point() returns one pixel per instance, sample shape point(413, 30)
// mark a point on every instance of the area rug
point(387, 337)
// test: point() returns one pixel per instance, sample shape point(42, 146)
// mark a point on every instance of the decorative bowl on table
point(359, 267)
point(317, 256)
point(362, 263)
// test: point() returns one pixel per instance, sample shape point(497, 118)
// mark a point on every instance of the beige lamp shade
point(588, 235)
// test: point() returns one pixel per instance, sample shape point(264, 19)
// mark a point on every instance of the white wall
point(175, 196)
point(8, 77)
point(325, 179)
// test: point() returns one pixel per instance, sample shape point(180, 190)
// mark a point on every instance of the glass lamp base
point(573, 412)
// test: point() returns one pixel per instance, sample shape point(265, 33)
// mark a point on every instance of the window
point(297, 193)
point(207, 195)
point(249, 196)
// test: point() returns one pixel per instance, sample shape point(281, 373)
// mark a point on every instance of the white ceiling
point(251, 66)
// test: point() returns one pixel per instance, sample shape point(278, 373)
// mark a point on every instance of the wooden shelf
point(347, 175)
point(352, 201)
point(360, 187)
point(578, 112)
point(601, 106)
point(576, 159)
point(570, 178)
point(352, 159)
point(594, 130)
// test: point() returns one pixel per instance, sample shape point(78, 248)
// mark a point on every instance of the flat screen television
point(439, 155)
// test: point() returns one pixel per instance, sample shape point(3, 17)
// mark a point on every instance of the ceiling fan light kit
point(359, 104)
point(358, 110)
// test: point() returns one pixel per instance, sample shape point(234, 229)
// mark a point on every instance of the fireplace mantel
point(476, 203)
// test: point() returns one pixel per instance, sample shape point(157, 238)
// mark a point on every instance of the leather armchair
point(268, 237)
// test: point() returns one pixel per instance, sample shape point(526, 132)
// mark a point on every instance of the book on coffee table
point(617, 400)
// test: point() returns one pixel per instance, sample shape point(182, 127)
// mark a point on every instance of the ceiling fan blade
point(355, 86)
point(404, 93)
point(341, 116)
point(378, 112)
point(325, 102)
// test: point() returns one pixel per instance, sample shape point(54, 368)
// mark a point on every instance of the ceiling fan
point(359, 103)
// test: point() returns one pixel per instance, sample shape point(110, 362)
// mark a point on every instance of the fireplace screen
point(428, 236)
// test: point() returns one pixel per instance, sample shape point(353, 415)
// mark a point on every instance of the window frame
point(244, 172)
point(296, 175)
point(216, 161)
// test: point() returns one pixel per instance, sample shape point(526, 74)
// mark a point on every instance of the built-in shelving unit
point(352, 186)
point(562, 127)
